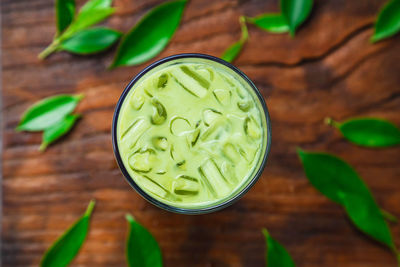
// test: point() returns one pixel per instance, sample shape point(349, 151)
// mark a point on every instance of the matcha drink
point(190, 133)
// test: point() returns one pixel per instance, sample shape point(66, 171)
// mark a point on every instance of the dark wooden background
point(328, 69)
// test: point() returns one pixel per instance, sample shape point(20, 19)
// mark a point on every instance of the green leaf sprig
point(368, 132)
point(73, 32)
point(52, 115)
point(339, 182)
point(67, 246)
point(293, 14)
point(270, 22)
point(150, 35)
point(142, 250)
point(233, 50)
point(388, 21)
point(276, 255)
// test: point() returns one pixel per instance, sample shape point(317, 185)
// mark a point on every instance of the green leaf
point(58, 130)
point(366, 215)
point(65, 11)
point(369, 132)
point(95, 4)
point(270, 22)
point(150, 35)
point(388, 22)
point(47, 112)
point(331, 175)
point(91, 41)
point(86, 19)
point(233, 50)
point(142, 249)
point(94, 11)
point(295, 12)
point(338, 181)
point(65, 248)
point(276, 255)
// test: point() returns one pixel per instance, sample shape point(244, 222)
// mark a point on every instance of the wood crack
point(352, 69)
point(392, 97)
point(312, 59)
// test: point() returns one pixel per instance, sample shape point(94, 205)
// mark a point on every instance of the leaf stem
point(43, 146)
point(90, 207)
point(80, 96)
point(129, 218)
point(248, 19)
point(265, 232)
point(48, 50)
point(243, 26)
point(373, 39)
point(330, 121)
point(396, 254)
point(388, 216)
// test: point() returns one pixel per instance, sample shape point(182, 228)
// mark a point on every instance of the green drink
point(191, 133)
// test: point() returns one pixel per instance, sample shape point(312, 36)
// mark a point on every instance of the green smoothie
point(191, 134)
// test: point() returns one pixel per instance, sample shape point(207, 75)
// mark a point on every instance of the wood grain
point(328, 69)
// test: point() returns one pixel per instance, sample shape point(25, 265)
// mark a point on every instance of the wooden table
point(328, 69)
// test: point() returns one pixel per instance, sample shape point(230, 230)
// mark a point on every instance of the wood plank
point(328, 69)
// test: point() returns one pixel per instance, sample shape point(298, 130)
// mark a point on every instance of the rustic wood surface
point(328, 69)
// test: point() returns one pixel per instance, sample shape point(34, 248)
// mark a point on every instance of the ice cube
point(186, 185)
point(214, 179)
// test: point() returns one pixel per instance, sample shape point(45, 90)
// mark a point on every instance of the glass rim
point(143, 193)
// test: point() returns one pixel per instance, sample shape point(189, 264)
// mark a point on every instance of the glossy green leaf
point(142, 249)
point(90, 41)
point(233, 50)
point(94, 11)
point(276, 254)
point(150, 35)
point(58, 130)
point(86, 19)
point(388, 21)
point(95, 4)
point(65, 11)
point(366, 215)
point(338, 181)
point(47, 112)
point(369, 132)
point(270, 22)
point(66, 247)
point(331, 175)
point(295, 12)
